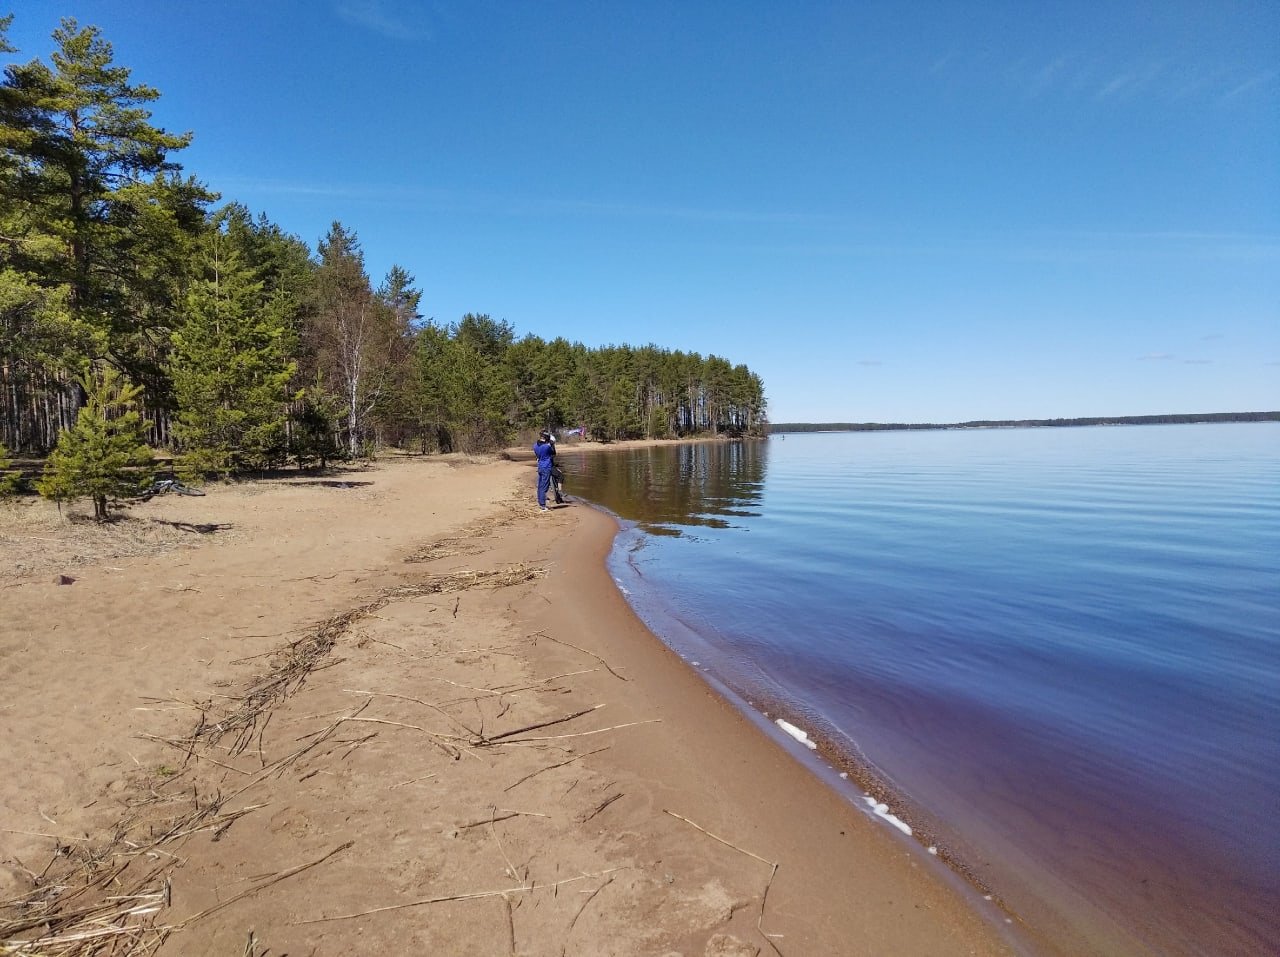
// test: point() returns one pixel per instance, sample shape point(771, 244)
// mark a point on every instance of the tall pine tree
point(231, 367)
point(89, 173)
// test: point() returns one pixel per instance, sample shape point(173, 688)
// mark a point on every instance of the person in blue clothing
point(545, 450)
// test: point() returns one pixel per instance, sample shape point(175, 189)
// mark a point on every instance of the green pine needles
point(231, 367)
point(104, 455)
point(8, 480)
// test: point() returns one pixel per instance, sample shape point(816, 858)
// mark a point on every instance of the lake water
point(1053, 653)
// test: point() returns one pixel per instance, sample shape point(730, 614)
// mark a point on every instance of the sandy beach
point(397, 710)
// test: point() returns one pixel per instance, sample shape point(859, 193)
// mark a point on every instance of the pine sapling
point(9, 480)
point(104, 455)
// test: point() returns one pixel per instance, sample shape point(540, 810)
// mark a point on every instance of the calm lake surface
point(1054, 653)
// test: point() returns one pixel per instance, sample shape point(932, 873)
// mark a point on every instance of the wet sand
point(399, 710)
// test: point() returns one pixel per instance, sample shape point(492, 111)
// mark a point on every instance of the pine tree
point(315, 424)
point(230, 366)
point(394, 417)
point(106, 222)
point(8, 480)
point(431, 392)
point(480, 393)
point(104, 454)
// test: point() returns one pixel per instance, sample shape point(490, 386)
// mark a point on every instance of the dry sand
point(398, 710)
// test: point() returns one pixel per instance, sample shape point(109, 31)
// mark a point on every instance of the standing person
point(545, 450)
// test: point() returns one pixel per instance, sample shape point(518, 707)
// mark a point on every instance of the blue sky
point(890, 211)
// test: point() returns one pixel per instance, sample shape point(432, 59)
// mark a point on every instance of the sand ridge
point(398, 710)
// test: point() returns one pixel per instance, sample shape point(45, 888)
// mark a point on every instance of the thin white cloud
point(295, 189)
point(1093, 244)
point(631, 210)
point(941, 64)
point(391, 18)
point(1132, 82)
point(505, 205)
point(1155, 357)
point(1251, 83)
point(812, 233)
point(1075, 75)
point(1197, 362)
point(1046, 78)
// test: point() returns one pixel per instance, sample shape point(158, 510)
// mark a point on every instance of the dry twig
point(267, 883)
point(561, 641)
point(590, 898)
point(479, 895)
point(579, 734)
point(481, 742)
point(601, 806)
point(552, 767)
point(773, 869)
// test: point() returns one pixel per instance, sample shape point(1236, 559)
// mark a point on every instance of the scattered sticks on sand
point(477, 895)
point(72, 915)
point(773, 870)
point(561, 641)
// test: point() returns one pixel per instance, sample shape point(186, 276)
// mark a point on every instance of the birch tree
point(346, 331)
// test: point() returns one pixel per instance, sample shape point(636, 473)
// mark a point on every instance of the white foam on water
point(933, 850)
point(882, 810)
point(796, 733)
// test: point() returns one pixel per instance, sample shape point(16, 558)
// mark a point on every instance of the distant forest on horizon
point(127, 286)
point(1180, 419)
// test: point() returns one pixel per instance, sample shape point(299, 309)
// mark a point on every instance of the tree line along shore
point(132, 294)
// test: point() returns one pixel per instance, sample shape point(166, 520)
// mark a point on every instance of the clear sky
point(890, 211)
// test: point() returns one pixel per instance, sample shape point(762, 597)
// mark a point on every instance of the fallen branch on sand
point(600, 807)
point(73, 914)
point(590, 898)
point(494, 739)
point(443, 548)
point(500, 814)
point(465, 579)
point(773, 869)
point(438, 739)
point(411, 781)
point(267, 883)
point(579, 734)
point(552, 767)
point(68, 912)
point(425, 704)
point(479, 895)
point(300, 658)
point(569, 644)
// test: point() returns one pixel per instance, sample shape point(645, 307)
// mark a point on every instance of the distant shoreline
point(1188, 419)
